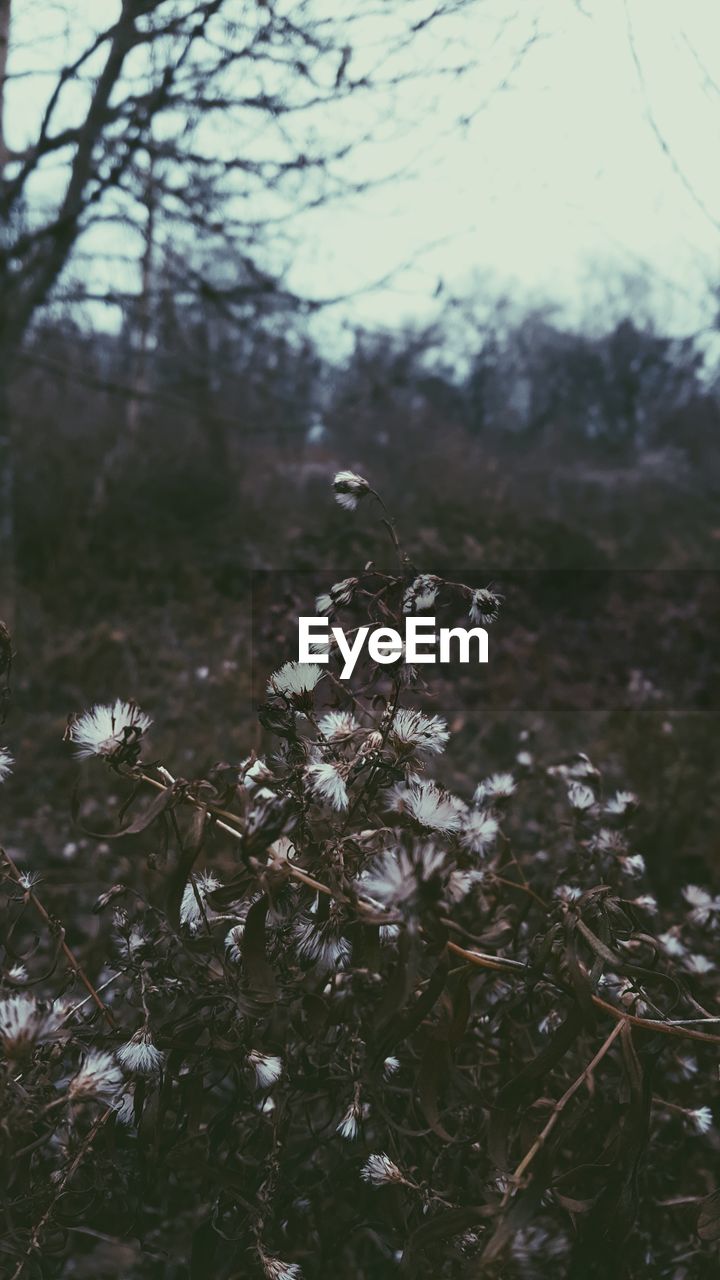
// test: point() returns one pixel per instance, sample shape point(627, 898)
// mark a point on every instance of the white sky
point(560, 178)
point(555, 186)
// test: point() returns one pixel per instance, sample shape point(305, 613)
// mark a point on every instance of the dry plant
point(346, 1022)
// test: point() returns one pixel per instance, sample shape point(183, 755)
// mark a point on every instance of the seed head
point(113, 730)
point(349, 489)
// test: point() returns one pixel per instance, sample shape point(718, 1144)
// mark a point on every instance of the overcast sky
point(560, 177)
point(555, 184)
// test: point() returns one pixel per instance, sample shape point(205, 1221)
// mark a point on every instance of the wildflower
point(111, 730)
point(276, 1269)
point(606, 841)
point(499, 786)
point(198, 887)
point(18, 973)
point(703, 906)
point(421, 593)
point(699, 965)
point(433, 808)
point(701, 1118)
point(580, 796)
point(524, 759)
point(255, 774)
point(633, 864)
point(98, 1077)
point(348, 1126)
point(328, 785)
point(296, 681)
point(233, 943)
point(139, 1056)
point(321, 942)
point(646, 902)
point(567, 892)
point(461, 882)
point(391, 1066)
point(267, 1067)
point(24, 1023)
point(380, 1169)
point(349, 489)
point(478, 830)
point(6, 764)
point(324, 603)
point(336, 725)
point(28, 880)
point(412, 729)
point(621, 802)
point(671, 943)
point(484, 607)
point(125, 1105)
point(394, 878)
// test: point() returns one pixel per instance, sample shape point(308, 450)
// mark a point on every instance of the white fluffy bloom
point(580, 796)
point(190, 912)
point(267, 1067)
point(701, 1118)
point(497, 787)
point(18, 973)
point(24, 1023)
point(98, 1077)
point(433, 808)
point(698, 965)
point(140, 1056)
point(324, 604)
point(703, 906)
point(276, 1269)
point(525, 759)
point(421, 593)
point(484, 607)
point(321, 943)
point(295, 681)
point(460, 883)
point(671, 943)
point(391, 1066)
point(606, 841)
point(633, 864)
point(414, 730)
point(479, 829)
point(108, 729)
point(394, 878)
point(621, 802)
point(349, 1125)
point(567, 892)
point(646, 902)
point(255, 774)
point(336, 725)
point(379, 1169)
point(349, 489)
point(6, 764)
point(233, 943)
point(328, 785)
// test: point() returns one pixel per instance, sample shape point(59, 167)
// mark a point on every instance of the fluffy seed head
point(479, 829)
point(139, 1056)
point(99, 1077)
point(413, 730)
point(380, 1169)
point(24, 1024)
point(6, 764)
point(267, 1067)
point(433, 808)
point(328, 785)
point(484, 607)
point(581, 797)
point(296, 681)
point(191, 914)
point(421, 593)
point(349, 489)
point(113, 730)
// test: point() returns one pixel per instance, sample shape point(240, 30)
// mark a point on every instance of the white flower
point(461, 882)
point(24, 1023)
point(108, 729)
point(6, 764)
point(125, 1105)
point(484, 607)
point(324, 604)
point(497, 787)
point(702, 1119)
point(413, 729)
point(671, 943)
point(607, 841)
point(233, 943)
point(433, 808)
point(567, 892)
point(394, 878)
point(28, 880)
point(348, 1126)
point(295, 681)
point(349, 489)
point(18, 973)
point(321, 943)
point(580, 796)
point(391, 1066)
point(479, 829)
point(98, 1077)
point(703, 905)
point(525, 759)
point(698, 964)
point(646, 902)
point(421, 593)
point(267, 1067)
point(255, 774)
point(621, 802)
point(633, 864)
point(328, 785)
point(276, 1269)
point(342, 592)
point(336, 725)
point(191, 914)
point(139, 1056)
point(379, 1169)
